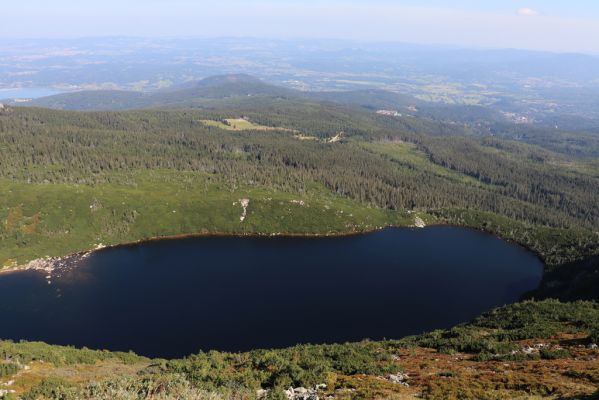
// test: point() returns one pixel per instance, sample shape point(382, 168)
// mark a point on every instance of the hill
point(246, 93)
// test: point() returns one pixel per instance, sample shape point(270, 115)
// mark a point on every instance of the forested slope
point(541, 199)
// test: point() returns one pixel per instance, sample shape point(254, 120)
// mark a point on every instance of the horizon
point(514, 24)
point(342, 41)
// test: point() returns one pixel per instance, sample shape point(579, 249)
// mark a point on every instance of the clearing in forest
point(240, 124)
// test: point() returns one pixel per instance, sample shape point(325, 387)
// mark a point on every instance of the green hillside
point(74, 180)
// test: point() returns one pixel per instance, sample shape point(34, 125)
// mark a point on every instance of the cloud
point(527, 12)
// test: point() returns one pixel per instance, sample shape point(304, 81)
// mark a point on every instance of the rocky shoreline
point(51, 266)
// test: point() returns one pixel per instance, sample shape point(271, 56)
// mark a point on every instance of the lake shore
point(212, 281)
point(50, 264)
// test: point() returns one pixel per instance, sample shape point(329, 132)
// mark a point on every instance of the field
point(239, 124)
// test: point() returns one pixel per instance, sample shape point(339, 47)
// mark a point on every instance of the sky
point(554, 25)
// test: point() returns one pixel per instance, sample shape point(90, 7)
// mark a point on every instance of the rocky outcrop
point(399, 378)
point(298, 393)
point(244, 203)
point(419, 223)
point(301, 393)
point(50, 265)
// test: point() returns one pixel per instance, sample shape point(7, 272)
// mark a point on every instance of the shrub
point(548, 354)
point(7, 369)
point(52, 388)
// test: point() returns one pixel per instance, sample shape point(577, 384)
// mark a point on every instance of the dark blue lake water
point(176, 297)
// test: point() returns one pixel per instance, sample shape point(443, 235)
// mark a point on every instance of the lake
point(172, 298)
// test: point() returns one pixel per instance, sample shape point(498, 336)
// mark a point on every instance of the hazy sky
point(559, 25)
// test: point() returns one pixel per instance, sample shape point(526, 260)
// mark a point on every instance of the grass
point(239, 124)
point(38, 220)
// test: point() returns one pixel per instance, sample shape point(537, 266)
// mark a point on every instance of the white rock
point(399, 378)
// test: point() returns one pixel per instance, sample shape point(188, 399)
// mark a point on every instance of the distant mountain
point(203, 93)
point(223, 86)
point(192, 94)
point(240, 90)
point(550, 89)
point(220, 80)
